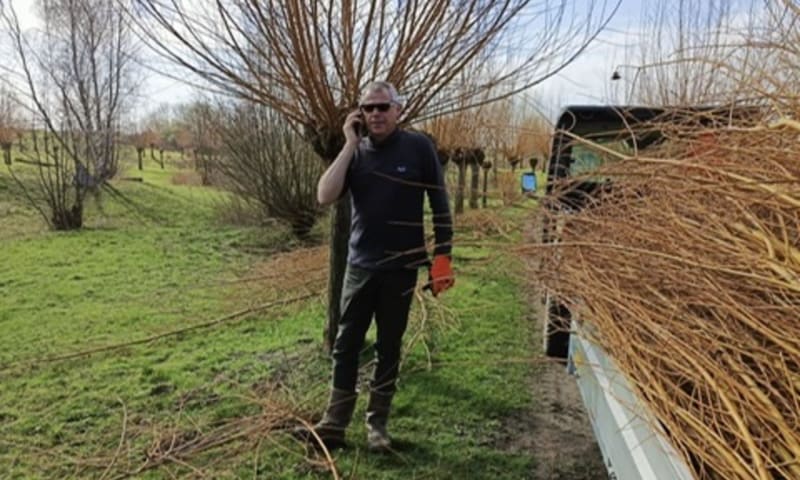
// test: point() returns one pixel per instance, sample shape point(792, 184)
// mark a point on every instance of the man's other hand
point(441, 274)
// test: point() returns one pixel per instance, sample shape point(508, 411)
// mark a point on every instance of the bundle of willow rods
point(687, 270)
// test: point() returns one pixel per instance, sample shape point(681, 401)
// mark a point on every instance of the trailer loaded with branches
point(669, 267)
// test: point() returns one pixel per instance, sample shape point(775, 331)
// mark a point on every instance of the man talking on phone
point(388, 173)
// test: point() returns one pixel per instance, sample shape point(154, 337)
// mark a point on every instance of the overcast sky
point(588, 79)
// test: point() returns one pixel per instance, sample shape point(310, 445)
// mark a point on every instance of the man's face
point(380, 114)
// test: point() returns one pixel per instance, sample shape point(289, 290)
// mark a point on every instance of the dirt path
point(562, 437)
point(557, 431)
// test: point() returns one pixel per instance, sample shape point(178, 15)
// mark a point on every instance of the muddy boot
point(377, 416)
point(333, 424)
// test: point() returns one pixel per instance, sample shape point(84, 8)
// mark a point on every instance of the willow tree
point(521, 135)
point(309, 60)
point(75, 75)
point(699, 54)
point(264, 162)
point(460, 139)
point(9, 122)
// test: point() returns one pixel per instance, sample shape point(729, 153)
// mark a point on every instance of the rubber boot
point(377, 416)
point(331, 429)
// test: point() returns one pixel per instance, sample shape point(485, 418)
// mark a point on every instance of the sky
point(156, 89)
point(586, 81)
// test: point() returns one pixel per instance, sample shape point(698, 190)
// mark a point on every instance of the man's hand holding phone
point(353, 126)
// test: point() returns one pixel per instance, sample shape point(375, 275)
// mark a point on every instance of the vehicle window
point(586, 160)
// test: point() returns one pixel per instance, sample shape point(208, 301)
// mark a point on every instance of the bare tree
point(528, 138)
point(76, 74)
point(767, 61)
point(151, 139)
point(200, 120)
point(183, 140)
point(162, 124)
point(265, 161)
point(695, 53)
point(140, 143)
point(9, 122)
point(459, 141)
point(309, 59)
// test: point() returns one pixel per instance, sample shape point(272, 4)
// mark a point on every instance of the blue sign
point(528, 182)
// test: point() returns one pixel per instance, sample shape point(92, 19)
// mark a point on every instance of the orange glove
point(441, 274)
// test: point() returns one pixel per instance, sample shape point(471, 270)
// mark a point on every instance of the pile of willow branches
point(687, 272)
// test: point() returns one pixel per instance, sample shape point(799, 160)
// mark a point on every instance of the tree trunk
point(485, 185)
point(161, 158)
point(474, 184)
point(140, 154)
point(68, 218)
point(534, 161)
point(340, 234)
point(7, 154)
point(462, 180)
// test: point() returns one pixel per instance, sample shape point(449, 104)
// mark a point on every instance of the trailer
point(631, 440)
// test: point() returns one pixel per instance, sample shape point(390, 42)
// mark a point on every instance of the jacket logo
point(401, 169)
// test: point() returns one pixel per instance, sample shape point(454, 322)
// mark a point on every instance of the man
point(387, 173)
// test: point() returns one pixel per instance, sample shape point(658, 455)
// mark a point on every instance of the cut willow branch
point(687, 273)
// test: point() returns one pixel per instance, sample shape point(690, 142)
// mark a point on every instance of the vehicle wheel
point(555, 323)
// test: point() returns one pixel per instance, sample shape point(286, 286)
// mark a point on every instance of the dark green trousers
point(386, 296)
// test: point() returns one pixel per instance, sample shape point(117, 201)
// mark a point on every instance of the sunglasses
point(371, 107)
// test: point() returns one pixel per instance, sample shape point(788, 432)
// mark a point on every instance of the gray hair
point(388, 87)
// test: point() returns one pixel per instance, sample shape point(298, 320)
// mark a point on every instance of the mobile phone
point(361, 126)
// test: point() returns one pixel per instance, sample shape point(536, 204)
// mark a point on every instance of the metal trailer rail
point(633, 447)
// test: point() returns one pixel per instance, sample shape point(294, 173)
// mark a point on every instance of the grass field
point(115, 349)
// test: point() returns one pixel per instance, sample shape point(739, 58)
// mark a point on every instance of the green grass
point(133, 274)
